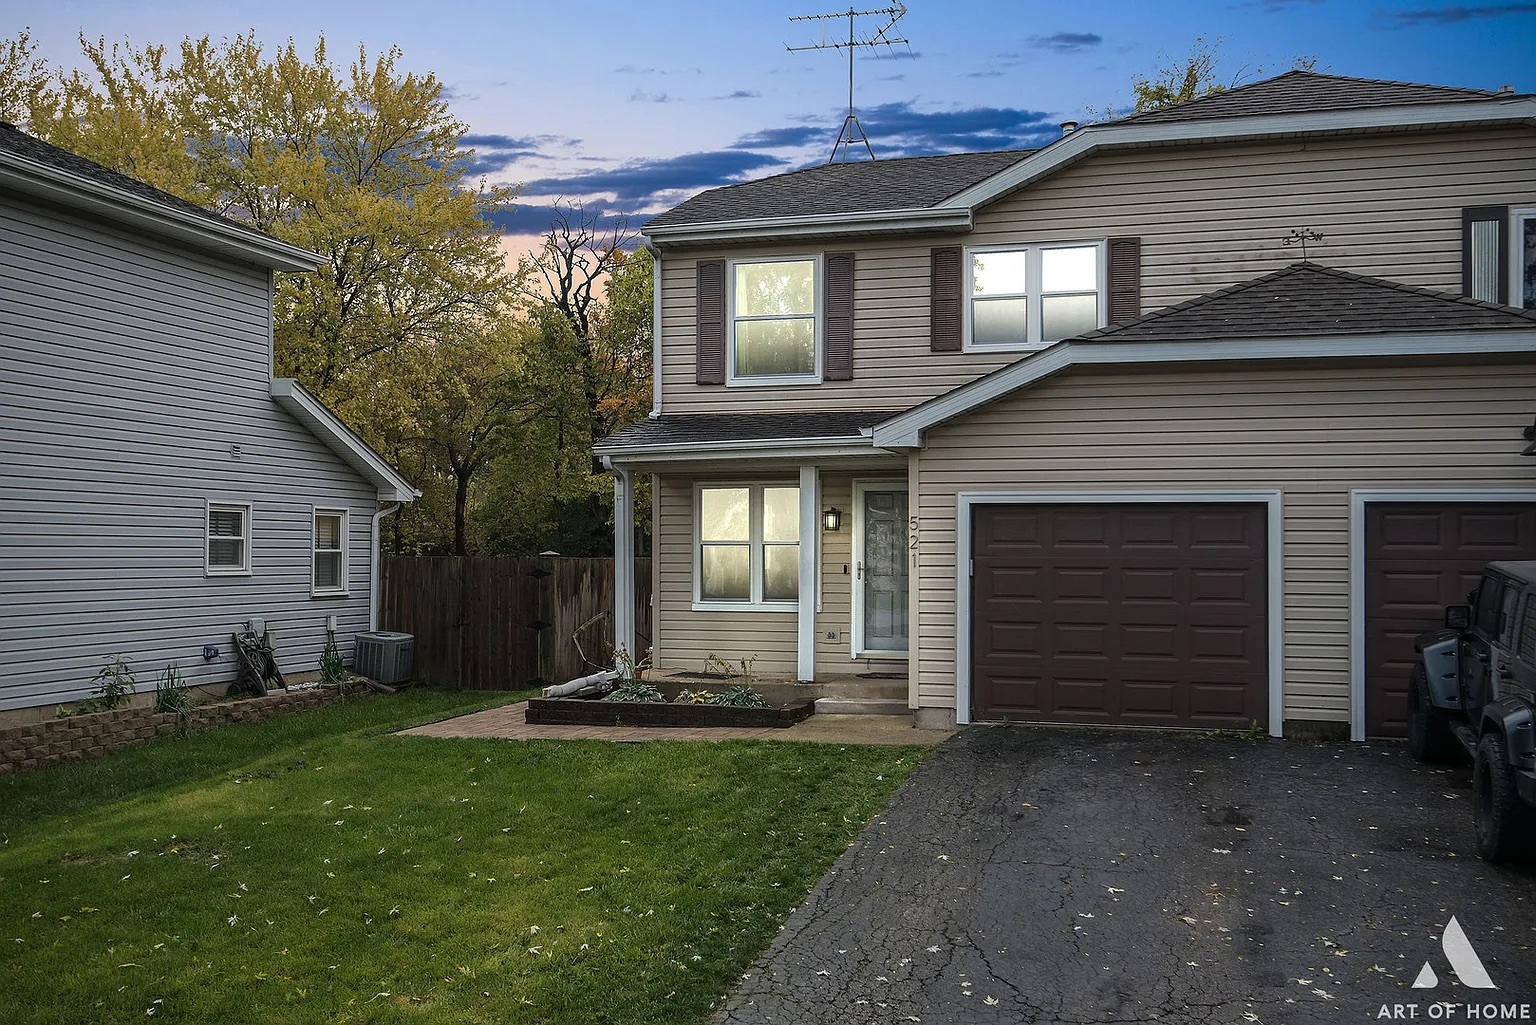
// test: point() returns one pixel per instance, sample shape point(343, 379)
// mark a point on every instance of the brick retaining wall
point(78, 737)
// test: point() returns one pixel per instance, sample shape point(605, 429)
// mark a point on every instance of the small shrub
point(171, 697)
point(693, 697)
point(115, 682)
point(333, 668)
point(635, 690)
point(741, 695)
point(740, 669)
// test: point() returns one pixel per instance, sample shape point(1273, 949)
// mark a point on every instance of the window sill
point(329, 592)
point(742, 606)
point(211, 572)
point(972, 347)
point(779, 381)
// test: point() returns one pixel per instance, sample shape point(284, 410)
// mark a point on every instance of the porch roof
point(696, 431)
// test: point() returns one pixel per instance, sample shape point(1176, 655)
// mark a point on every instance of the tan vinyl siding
point(1314, 433)
point(1208, 216)
point(685, 638)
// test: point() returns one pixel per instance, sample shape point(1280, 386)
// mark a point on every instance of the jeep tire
point(1429, 728)
point(1503, 823)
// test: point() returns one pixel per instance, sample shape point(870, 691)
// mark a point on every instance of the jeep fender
point(1440, 651)
point(1512, 718)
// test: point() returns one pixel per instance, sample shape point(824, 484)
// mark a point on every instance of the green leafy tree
point(1189, 77)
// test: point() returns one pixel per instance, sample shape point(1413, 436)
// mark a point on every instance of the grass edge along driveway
point(315, 868)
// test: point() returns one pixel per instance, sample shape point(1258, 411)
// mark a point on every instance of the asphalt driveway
point(1060, 875)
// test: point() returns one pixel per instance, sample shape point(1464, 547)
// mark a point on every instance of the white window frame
point(755, 549)
point(210, 506)
point(1518, 215)
point(1033, 329)
point(315, 590)
point(732, 380)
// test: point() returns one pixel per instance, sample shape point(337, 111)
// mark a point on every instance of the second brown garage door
point(1419, 558)
point(1146, 615)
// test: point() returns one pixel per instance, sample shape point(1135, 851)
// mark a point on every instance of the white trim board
point(1274, 618)
point(906, 429)
point(339, 438)
point(1359, 498)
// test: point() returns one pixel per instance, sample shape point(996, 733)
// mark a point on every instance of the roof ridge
point(1199, 300)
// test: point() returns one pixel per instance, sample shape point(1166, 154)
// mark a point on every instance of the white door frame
point(1274, 616)
point(856, 634)
point(1358, 500)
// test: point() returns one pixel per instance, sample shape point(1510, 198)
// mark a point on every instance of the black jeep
point(1474, 687)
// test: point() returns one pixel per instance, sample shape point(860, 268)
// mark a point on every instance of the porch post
point(624, 562)
point(810, 533)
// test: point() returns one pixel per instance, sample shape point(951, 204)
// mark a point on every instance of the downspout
point(655, 329)
point(373, 566)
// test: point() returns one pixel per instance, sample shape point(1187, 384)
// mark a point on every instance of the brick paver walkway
point(507, 723)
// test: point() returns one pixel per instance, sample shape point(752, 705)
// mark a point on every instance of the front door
point(880, 573)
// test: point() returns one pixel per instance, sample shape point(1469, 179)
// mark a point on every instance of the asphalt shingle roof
point(1307, 299)
point(14, 140)
point(1299, 92)
point(679, 429)
point(902, 183)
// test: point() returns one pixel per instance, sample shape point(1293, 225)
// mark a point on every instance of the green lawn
point(313, 868)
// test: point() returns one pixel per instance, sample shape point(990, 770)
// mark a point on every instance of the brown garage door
point(1147, 615)
point(1420, 558)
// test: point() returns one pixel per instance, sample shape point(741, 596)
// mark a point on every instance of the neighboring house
point(1105, 448)
point(158, 487)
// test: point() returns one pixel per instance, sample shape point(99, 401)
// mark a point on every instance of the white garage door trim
point(1358, 499)
point(1274, 612)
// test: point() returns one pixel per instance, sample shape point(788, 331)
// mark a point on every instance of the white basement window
point(227, 550)
point(329, 557)
point(747, 550)
point(1023, 297)
point(774, 328)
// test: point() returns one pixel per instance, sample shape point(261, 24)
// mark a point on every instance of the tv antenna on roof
point(852, 133)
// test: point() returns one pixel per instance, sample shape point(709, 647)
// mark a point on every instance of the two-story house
point(158, 487)
point(1192, 418)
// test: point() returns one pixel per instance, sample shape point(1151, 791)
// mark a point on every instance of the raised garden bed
point(786, 706)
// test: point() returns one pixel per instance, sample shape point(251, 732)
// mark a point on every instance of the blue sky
point(632, 107)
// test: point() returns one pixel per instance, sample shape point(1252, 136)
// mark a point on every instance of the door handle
point(858, 573)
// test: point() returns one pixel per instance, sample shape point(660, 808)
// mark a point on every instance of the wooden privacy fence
point(495, 624)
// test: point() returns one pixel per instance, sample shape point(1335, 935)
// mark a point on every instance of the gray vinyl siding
point(1314, 433)
point(1208, 217)
point(128, 370)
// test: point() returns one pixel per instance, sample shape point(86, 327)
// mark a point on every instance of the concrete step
point(848, 687)
point(862, 706)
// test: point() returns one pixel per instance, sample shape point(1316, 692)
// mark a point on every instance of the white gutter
point(373, 567)
point(842, 445)
point(871, 222)
point(81, 193)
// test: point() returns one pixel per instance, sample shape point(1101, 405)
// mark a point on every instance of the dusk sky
point(633, 107)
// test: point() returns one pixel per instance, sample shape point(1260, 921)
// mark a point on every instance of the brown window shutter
point(1124, 280)
point(709, 300)
point(1485, 253)
point(945, 277)
point(837, 316)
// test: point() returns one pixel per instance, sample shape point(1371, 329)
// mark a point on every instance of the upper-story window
point(773, 320)
point(1029, 296)
point(1523, 220)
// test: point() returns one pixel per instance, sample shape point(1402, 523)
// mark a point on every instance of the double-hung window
point(748, 548)
point(328, 558)
point(1021, 297)
point(774, 325)
point(227, 541)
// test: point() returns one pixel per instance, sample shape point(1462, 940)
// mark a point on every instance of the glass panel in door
point(883, 571)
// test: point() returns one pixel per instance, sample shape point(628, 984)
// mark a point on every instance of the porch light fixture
point(832, 519)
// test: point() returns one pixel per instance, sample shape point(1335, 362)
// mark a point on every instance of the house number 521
point(912, 537)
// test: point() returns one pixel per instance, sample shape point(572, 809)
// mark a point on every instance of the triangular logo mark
point(1465, 963)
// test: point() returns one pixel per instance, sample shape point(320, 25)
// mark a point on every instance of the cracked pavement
point(1028, 874)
